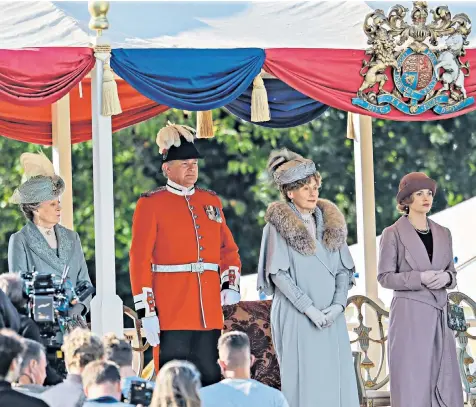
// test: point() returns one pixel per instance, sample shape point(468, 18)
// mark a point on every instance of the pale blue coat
point(28, 250)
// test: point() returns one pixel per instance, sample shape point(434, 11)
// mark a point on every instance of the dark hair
point(28, 209)
point(118, 350)
point(100, 372)
point(33, 351)
point(12, 285)
point(11, 347)
point(284, 189)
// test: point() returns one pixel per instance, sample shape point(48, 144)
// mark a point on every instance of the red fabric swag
point(331, 76)
point(41, 76)
point(33, 124)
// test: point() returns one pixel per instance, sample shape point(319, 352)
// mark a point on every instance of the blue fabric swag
point(189, 79)
point(288, 107)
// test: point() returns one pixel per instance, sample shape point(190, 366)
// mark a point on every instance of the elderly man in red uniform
point(184, 262)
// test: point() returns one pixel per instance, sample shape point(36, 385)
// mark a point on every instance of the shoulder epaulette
point(152, 192)
point(206, 190)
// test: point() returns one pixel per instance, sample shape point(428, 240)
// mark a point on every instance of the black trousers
point(198, 347)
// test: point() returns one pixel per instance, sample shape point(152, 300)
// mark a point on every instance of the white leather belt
point(191, 267)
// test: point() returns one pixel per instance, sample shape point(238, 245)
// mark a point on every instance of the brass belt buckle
point(198, 268)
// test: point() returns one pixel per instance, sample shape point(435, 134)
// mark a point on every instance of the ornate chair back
point(371, 377)
point(253, 318)
point(465, 360)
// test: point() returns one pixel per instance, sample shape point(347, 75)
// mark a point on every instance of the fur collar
point(293, 230)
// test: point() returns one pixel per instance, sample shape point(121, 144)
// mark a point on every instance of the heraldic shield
point(424, 60)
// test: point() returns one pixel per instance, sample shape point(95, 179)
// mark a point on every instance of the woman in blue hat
point(43, 245)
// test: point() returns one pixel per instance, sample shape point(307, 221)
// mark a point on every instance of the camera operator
point(80, 348)
point(12, 286)
point(44, 245)
point(11, 351)
point(9, 317)
point(102, 384)
point(32, 369)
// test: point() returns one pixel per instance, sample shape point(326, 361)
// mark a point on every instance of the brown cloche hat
point(415, 181)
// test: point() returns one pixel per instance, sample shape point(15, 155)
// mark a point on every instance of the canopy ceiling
point(169, 24)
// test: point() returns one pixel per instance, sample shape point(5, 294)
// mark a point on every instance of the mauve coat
point(421, 348)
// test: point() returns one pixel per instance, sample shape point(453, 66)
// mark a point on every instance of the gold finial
point(98, 11)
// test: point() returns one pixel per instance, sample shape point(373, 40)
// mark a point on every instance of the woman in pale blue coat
point(43, 245)
point(306, 264)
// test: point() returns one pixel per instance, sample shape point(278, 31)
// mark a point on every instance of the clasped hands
point(324, 318)
point(435, 279)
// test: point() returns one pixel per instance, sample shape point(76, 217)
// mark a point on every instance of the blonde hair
point(177, 385)
point(403, 207)
point(81, 347)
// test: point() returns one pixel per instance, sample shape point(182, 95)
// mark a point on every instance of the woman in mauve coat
point(416, 261)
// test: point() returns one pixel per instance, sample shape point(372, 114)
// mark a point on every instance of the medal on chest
point(213, 213)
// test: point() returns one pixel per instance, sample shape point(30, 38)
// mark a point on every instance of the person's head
point(38, 196)
point(119, 351)
point(102, 378)
point(415, 193)
point(12, 285)
point(235, 358)
point(33, 366)
point(179, 154)
point(11, 355)
point(182, 172)
point(81, 347)
point(177, 385)
point(296, 178)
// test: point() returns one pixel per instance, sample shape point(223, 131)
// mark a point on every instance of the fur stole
point(293, 230)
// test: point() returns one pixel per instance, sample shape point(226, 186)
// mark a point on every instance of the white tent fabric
point(322, 24)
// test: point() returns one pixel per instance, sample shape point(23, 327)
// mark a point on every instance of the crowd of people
point(100, 372)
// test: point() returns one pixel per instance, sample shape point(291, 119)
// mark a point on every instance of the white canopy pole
point(106, 306)
point(365, 200)
point(361, 129)
point(61, 132)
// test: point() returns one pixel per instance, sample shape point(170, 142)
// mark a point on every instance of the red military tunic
point(170, 228)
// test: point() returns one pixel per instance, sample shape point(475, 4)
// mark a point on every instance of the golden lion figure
point(382, 52)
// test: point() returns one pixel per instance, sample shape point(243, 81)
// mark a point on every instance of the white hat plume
point(169, 136)
point(36, 164)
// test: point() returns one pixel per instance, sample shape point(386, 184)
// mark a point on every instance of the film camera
point(138, 391)
point(48, 300)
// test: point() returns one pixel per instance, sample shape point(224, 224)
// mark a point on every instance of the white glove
point(230, 297)
point(331, 313)
point(151, 327)
point(440, 280)
point(316, 316)
point(427, 276)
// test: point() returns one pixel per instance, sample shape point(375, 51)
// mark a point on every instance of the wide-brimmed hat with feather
point(286, 166)
point(176, 142)
point(42, 184)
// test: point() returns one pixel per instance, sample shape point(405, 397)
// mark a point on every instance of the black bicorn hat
point(176, 142)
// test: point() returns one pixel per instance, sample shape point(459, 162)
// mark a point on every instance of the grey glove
point(440, 280)
point(331, 313)
point(316, 316)
point(76, 310)
point(427, 276)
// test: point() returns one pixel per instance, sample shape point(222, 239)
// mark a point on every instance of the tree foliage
point(235, 168)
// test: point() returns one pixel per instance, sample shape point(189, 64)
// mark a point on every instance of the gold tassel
point(205, 124)
point(110, 97)
point(259, 101)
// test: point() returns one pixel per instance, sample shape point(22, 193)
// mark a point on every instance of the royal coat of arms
point(423, 58)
